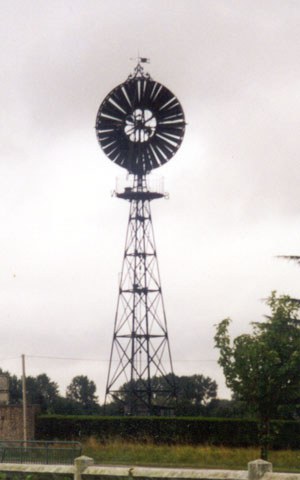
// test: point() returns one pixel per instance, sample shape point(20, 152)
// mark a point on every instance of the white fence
point(84, 467)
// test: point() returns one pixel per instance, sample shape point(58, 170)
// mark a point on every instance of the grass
point(124, 453)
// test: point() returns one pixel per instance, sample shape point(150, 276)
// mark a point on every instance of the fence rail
point(84, 469)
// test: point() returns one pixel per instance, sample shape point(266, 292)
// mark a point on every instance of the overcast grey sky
point(234, 184)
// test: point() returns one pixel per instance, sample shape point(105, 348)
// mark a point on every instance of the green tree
point(15, 389)
point(197, 389)
point(67, 406)
point(225, 408)
point(42, 391)
point(193, 392)
point(83, 391)
point(263, 368)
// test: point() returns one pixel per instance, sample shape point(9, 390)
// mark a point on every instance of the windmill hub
point(140, 126)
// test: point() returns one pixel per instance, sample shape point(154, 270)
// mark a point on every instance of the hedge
point(157, 429)
point(194, 431)
point(181, 430)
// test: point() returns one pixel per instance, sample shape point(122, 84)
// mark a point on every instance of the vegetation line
point(185, 456)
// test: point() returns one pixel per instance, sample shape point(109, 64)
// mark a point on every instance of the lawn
point(148, 454)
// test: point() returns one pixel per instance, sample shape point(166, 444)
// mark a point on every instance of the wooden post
point(258, 468)
point(24, 401)
point(80, 464)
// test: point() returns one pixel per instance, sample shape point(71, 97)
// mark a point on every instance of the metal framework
point(140, 371)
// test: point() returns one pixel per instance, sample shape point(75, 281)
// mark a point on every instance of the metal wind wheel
point(140, 125)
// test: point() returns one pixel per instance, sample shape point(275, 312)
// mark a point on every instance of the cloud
point(233, 184)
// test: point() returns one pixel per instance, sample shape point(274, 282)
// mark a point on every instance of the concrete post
point(80, 464)
point(258, 468)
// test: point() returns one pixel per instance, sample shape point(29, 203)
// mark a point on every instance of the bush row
point(156, 429)
point(212, 431)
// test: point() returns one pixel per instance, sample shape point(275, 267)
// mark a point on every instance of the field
point(122, 453)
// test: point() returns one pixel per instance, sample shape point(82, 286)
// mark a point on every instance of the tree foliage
point(197, 389)
point(42, 391)
point(262, 368)
point(193, 392)
point(83, 391)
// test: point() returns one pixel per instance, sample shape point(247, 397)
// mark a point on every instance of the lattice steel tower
point(140, 126)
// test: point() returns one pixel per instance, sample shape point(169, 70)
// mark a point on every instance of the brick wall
point(11, 422)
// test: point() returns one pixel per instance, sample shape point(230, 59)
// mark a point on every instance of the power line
point(102, 360)
point(67, 358)
point(199, 360)
point(79, 359)
point(10, 358)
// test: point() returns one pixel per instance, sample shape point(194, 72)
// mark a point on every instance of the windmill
point(140, 126)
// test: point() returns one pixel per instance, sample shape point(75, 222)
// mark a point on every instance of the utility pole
point(24, 401)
